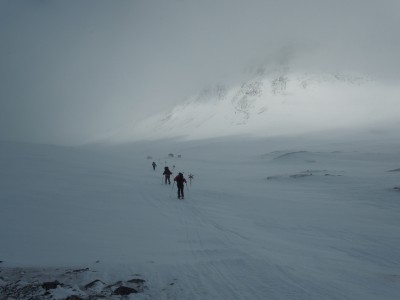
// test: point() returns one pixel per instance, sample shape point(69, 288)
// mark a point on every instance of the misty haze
point(280, 124)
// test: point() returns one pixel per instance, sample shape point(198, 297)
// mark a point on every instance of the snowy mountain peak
point(270, 103)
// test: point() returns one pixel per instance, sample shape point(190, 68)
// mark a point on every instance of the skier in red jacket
point(180, 180)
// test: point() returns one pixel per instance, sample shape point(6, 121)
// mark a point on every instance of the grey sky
point(72, 70)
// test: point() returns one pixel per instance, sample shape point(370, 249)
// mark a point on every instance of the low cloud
point(73, 70)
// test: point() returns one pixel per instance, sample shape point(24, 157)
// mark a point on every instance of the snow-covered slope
point(262, 219)
point(274, 103)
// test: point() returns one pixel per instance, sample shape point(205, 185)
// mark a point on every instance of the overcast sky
point(72, 70)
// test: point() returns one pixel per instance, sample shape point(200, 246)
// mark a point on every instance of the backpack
point(180, 179)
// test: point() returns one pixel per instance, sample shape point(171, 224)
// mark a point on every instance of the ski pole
point(187, 189)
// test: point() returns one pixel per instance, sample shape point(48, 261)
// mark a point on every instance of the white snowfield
point(268, 219)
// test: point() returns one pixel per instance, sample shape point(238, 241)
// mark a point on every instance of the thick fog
point(71, 71)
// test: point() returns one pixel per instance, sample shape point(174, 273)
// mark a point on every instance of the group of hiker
point(179, 179)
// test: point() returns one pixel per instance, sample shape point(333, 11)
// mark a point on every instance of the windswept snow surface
point(266, 219)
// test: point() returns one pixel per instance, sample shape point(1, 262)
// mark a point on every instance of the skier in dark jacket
point(154, 165)
point(167, 174)
point(180, 180)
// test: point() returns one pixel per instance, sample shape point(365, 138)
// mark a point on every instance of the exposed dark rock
point(300, 175)
point(124, 290)
point(137, 281)
point(51, 285)
point(73, 297)
point(78, 270)
point(18, 283)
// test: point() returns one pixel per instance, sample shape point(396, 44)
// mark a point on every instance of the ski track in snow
point(236, 235)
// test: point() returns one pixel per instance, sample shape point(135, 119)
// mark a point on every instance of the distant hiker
point(154, 165)
point(180, 180)
point(167, 173)
point(190, 178)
